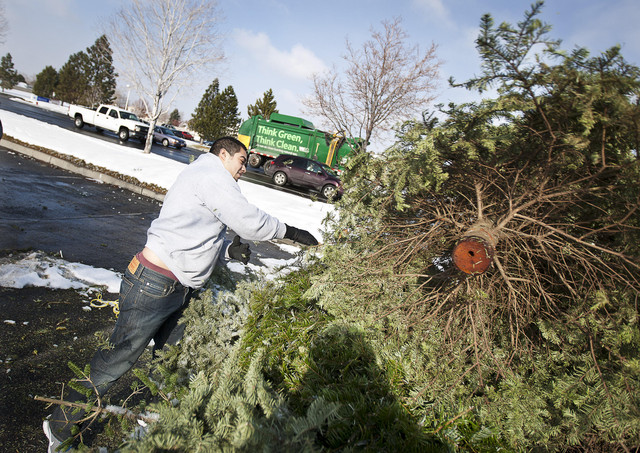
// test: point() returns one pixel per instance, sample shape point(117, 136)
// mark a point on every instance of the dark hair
point(231, 144)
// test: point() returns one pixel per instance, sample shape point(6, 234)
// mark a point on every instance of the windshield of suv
point(128, 116)
point(329, 170)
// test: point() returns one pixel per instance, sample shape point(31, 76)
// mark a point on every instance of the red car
point(183, 134)
point(303, 172)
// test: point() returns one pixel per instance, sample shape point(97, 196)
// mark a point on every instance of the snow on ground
point(37, 269)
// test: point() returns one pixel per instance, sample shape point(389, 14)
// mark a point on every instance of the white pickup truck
point(108, 117)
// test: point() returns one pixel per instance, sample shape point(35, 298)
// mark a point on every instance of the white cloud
point(298, 62)
point(434, 8)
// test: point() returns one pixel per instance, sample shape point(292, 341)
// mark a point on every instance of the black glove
point(301, 236)
point(238, 251)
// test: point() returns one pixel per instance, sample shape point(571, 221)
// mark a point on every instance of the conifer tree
point(264, 106)
point(174, 117)
point(544, 179)
point(88, 77)
point(46, 82)
point(217, 113)
point(228, 108)
point(205, 115)
point(100, 72)
point(73, 80)
point(8, 74)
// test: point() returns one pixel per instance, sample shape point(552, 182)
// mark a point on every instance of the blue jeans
point(150, 306)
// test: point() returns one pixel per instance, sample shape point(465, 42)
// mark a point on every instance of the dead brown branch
point(97, 410)
point(577, 240)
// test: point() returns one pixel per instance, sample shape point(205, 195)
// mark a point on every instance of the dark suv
point(303, 172)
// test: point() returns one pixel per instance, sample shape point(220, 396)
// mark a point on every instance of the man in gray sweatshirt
point(184, 244)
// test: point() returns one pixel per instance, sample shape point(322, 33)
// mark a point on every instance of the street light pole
point(126, 104)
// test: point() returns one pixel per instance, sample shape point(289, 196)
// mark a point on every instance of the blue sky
point(277, 44)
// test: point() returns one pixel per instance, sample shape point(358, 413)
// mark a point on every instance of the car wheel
point(78, 122)
point(255, 160)
point(329, 191)
point(124, 134)
point(279, 178)
point(165, 142)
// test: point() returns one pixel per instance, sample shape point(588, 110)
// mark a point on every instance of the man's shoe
point(54, 442)
point(62, 420)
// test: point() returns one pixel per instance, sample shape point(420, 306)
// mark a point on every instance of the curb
point(78, 169)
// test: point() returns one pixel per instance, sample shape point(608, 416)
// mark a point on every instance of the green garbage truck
point(284, 134)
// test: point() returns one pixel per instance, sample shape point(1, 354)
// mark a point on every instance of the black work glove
point(239, 251)
point(301, 236)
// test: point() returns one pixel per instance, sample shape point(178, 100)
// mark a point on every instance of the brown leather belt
point(139, 259)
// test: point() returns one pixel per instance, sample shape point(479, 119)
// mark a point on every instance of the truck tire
point(123, 134)
point(165, 143)
point(279, 178)
point(256, 160)
point(329, 191)
point(78, 122)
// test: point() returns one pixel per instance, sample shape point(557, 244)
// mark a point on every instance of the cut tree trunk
point(473, 254)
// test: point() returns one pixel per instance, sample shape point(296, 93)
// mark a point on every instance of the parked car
point(166, 136)
point(303, 172)
point(183, 134)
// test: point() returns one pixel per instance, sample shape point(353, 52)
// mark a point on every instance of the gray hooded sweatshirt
point(189, 234)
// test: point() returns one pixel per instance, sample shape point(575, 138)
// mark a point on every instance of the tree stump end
point(472, 255)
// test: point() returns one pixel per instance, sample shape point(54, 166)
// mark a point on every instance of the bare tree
point(138, 107)
point(384, 82)
point(164, 44)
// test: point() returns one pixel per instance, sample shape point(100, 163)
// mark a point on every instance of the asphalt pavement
point(45, 208)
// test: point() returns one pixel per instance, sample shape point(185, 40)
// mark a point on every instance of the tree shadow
point(343, 370)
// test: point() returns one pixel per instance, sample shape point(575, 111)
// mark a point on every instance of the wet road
point(45, 208)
